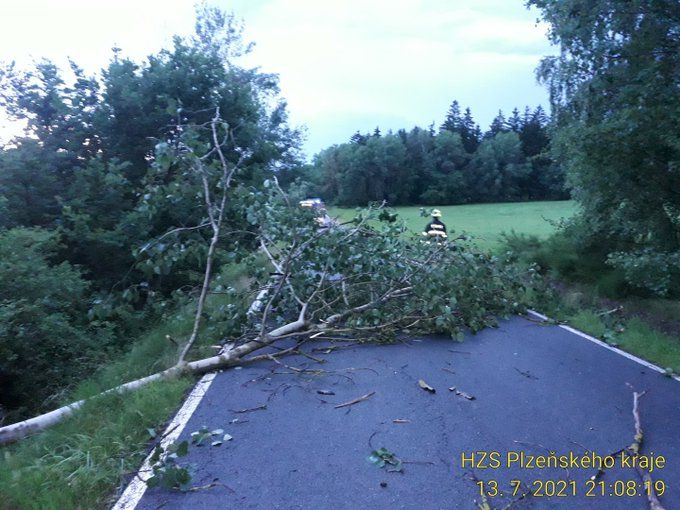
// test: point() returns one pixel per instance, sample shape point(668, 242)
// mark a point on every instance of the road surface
point(537, 390)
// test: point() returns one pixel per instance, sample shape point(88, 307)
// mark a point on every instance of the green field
point(486, 222)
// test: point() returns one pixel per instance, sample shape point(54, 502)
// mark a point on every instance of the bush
point(45, 341)
point(576, 253)
point(569, 256)
point(648, 269)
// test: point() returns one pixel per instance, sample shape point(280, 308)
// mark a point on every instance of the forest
point(456, 164)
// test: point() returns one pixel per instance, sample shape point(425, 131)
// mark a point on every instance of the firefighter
point(435, 230)
point(323, 220)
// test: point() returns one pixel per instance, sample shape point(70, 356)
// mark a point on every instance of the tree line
point(456, 164)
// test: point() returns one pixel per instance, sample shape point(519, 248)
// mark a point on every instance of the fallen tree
point(364, 279)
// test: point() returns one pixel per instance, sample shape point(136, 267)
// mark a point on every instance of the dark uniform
point(436, 229)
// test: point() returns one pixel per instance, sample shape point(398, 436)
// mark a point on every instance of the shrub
point(45, 341)
point(655, 271)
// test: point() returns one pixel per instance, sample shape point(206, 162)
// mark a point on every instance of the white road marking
point(606, 345)
point(137, 487)
point(135, 490)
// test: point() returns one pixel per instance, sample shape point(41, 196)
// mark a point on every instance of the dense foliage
point(616, 99)
point(46, 341)
point(96, 170)
point(456, 165)
point(83, 166)
point(369, 278)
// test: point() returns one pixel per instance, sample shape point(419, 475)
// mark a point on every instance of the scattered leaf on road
point(383, 457)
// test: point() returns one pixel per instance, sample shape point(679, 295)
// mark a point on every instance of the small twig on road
point(654, 503)
point(579, 444)
point(634, 449)
point(356, 400)
point(210, 486)
point(250, 409)
point(313, 358)
point(526, 374)
point(539, 445)
point(462, 393)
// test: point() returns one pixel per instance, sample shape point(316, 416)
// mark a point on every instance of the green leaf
point(398, 467)
point(156, 455)
point(182, 449)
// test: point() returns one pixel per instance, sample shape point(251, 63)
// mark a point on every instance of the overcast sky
point(344, 64)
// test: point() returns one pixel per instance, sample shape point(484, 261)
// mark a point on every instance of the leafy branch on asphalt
point(382, 457)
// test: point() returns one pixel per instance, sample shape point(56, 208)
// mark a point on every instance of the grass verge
point(631, 335)
point(80, 463)
point(643, 327)
point(583, 291)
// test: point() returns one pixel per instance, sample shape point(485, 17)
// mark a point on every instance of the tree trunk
point(233, 357)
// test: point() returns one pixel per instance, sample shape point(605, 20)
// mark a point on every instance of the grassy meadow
point(486, 222)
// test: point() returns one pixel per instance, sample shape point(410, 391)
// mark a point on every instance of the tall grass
point(79, 463)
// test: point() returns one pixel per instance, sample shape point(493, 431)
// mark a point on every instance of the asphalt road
point(537, 389)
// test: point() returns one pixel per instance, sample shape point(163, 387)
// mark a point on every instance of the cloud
point(87, 30)
point(343, 65)
point(405, 59)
